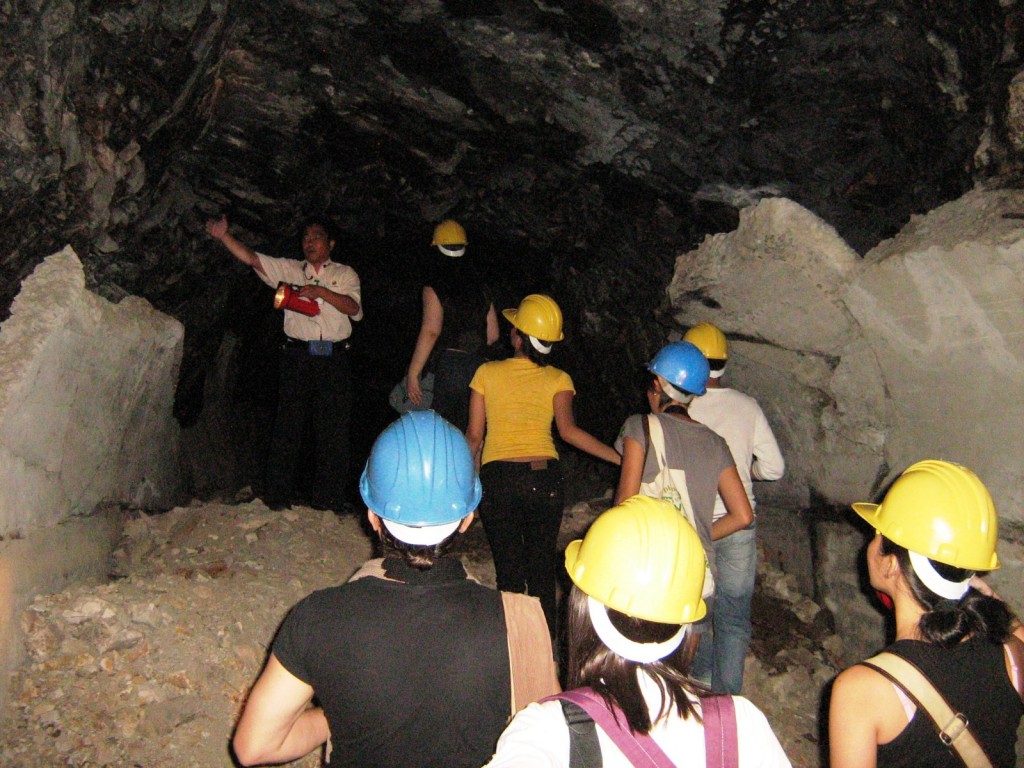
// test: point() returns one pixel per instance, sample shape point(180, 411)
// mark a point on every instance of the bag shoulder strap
point(953, 727)
point(656, 438)
point(721, 740)
point(531, 662)
point(639, 748)
point(584, 748)
point(371, 568)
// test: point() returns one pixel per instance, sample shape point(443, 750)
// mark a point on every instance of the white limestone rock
point(941, 306)
point(779, 277)
point(86, 392)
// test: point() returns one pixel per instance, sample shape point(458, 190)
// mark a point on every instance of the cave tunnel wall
point(585, 146)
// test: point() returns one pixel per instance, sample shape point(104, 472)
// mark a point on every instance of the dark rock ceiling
point(583, 144)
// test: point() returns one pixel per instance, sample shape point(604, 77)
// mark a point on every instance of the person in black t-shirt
point(411, 661)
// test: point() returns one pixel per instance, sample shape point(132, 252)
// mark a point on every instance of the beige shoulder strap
point(954, 729)
point(374, 567)
point(532, 666)
point(657, 440)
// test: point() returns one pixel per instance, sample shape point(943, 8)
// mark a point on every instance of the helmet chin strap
point(641, 653)
point(540, 346)
point(951, 590)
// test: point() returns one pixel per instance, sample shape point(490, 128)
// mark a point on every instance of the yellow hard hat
point(709, 340)
point(450, 233)
point(644, 559)
point(940, 510)
point(538, 316)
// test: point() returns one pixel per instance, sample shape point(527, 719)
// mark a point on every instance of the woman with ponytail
point(935, 530)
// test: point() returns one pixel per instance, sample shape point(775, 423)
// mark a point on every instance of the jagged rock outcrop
point(941, 306)
point(869, 365)
point(86, 391)
point(777, 282)
point(865, 366)
point(583, 144)
point(86, 395)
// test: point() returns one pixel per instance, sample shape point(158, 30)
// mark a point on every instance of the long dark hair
point(464, 299)
point(592, 663)
point(947, 622)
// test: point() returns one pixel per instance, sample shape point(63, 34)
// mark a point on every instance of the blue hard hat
point(683, 366)
point(420, 473)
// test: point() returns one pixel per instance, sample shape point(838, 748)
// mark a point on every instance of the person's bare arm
point(631, 474)
point(576, 436)
point(738, 513)
point(477, 426)
point(853, 732)
point(492, 325)
point(277, 724)
point(218, 230)
point(430, 330)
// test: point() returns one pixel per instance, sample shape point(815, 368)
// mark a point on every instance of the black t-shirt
point(972, 677)
point(409, 672)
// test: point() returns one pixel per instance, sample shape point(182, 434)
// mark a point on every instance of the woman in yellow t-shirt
point(512, 405)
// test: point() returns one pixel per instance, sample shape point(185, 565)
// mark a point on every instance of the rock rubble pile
point(151, 669)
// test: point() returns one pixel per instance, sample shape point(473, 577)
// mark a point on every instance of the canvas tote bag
point(670, 485)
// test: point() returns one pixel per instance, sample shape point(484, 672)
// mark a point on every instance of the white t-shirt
point(739, 419)
point(330, 324)
point(538, 737)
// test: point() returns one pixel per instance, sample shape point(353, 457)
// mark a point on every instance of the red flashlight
point(287, 297)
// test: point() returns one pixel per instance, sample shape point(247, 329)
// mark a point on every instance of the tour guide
point(411, 662)
point(315, 381)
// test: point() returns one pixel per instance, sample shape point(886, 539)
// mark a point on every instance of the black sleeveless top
point(465, 301)
point(972, 677)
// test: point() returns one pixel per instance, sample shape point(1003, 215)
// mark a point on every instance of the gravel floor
point(152, 668)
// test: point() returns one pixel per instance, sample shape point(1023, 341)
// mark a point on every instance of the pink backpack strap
point(721, 743)
point(639, 748)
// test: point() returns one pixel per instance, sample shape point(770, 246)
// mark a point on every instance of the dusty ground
point(151, 669)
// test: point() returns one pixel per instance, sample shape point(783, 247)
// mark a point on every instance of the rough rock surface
point(866, 366)
point(941, 308)
point(583, 144)
point(86, 400)
point(152, 668)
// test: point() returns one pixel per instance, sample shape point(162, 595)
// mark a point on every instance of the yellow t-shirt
point(519, 400)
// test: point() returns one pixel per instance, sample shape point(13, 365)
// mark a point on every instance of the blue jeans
point(702, 667)
point(736, 558)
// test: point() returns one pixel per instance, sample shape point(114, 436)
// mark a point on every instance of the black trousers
point(312, 427)
point(521, 513)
